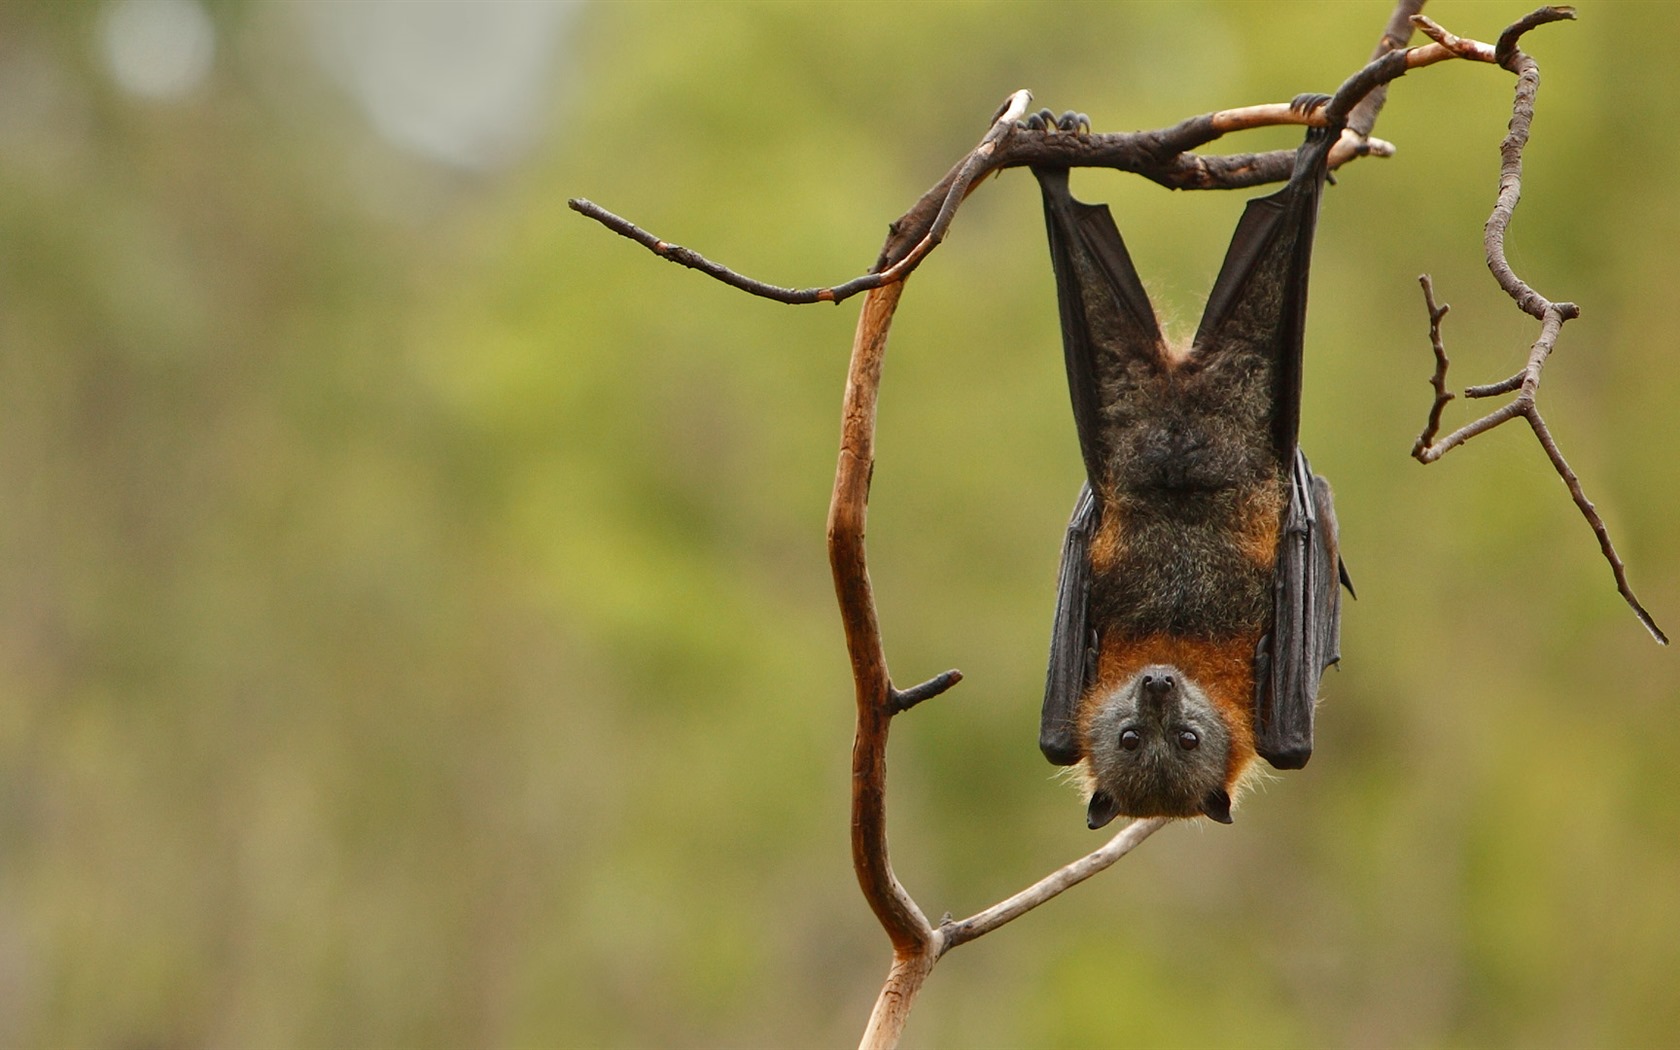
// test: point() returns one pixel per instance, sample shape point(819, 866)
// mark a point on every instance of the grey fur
point(1160, 776)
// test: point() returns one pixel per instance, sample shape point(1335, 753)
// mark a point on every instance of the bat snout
point(1158, 682)
point(1160, 691)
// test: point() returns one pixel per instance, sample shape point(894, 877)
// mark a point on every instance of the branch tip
point(1439, 379)
point(902, 700)
point(1505, 51)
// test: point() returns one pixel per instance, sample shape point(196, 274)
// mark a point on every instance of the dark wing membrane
point(1307, 620)
point(1071, 648)
point(1258, 306)
point(1108, 326)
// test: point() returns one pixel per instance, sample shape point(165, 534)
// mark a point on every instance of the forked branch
point(1551, 315)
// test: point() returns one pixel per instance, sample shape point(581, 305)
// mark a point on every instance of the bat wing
point(1256, 314)
point(1109, 337)
point(1071, 648)
point(1253, 328)
point(1306, 628)
point(1109, 331)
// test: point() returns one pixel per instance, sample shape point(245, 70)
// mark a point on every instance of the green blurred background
point(415, 626)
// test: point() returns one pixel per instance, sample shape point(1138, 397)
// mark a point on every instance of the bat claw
point(1308, 102)
point(1046, 121)
point(1043, 120)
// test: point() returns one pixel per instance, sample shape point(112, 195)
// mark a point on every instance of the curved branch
point(848, 510)
point(1551, 315)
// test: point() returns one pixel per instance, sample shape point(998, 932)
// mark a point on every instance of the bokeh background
point(415, 626)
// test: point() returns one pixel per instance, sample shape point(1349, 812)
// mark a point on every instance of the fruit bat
point(1197, 604)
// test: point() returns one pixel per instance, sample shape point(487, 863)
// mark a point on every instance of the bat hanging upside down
point(1197, 605)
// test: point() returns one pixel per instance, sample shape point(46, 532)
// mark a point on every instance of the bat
point(1197, 603)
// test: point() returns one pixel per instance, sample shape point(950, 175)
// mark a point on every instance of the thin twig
point(1128, 838)
point(694, 260)
point(1551, 315)
point(1439, 379)
point(904, 699)
point(1456, 46)
point(1395, 36)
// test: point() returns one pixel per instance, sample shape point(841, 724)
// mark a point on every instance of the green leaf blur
point(415, 626)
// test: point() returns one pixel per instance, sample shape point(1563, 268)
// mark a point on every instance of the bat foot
point(1046, 121)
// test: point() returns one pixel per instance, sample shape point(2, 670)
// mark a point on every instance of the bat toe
point(1046, 121)
point(1043, 120)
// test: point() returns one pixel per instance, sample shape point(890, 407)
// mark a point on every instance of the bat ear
point(1103, 809)
point(1216, 806)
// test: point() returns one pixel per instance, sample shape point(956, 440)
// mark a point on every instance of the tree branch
point(1066, 877)
point(1551, 315)
point(906, 926)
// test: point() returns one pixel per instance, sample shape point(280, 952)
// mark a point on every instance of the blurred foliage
point(414, 620)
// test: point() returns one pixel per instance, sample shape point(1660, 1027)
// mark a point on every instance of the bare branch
point(1127, 839)
point(1510, 168)
point(1588, 511)
point(904, 700)
point(962, 180)
point(1504, 386)
point(848, 509)
point(694, 260)
point(1452, 46)
point(1527, 384)
point(1439, 379)
point(1551, 315)
point(1395, 36)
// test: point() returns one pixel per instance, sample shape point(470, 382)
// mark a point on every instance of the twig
point(1395, 36)
point(694, 260)
point(1127, 839)
point(1551, 315)
point(1439, 379)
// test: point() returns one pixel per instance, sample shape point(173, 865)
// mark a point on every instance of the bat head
point(1157, 747)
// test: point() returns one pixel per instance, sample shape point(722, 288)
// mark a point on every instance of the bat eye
point(1188, 740)
point(1129, 739)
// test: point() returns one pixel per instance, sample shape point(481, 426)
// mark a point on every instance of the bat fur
point(1197, 605)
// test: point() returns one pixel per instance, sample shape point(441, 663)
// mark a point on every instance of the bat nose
point(1157, 684)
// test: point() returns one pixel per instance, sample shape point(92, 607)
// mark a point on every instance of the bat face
point(1156, 746)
